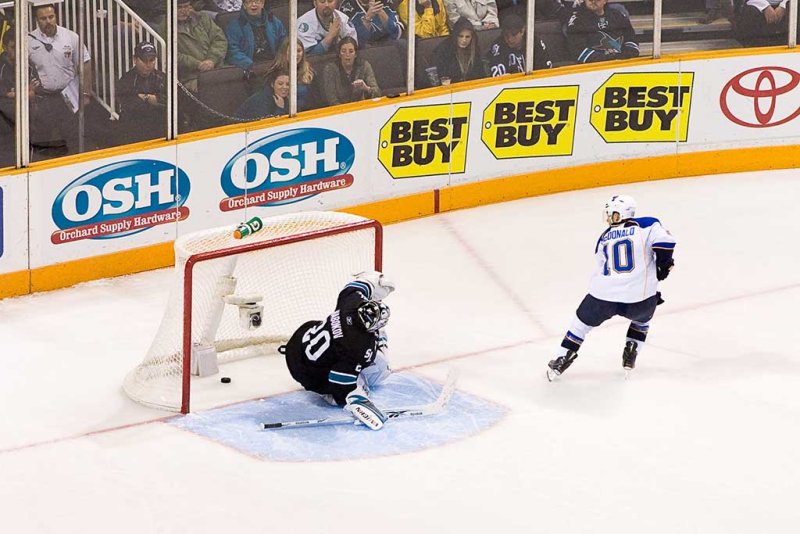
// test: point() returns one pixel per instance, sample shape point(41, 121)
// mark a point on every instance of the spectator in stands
point(141, 97)
point(373, 20)
point(8, 61)
point(6, 21)
point(271, 101)
point(306, 93)
point(201, 44)
point(481, 13)
point(764, 23)
point(457, 58)
point(321, 28)
point(430, 20)
point(595, 33)
point(716, 9)
point(506, 54)
point(8, 92)
point(52, 51)
point(348, 78)
point(8, 80)
point(254, 36)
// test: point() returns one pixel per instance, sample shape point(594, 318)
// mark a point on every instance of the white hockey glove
point(362, 409)
point(381, 286)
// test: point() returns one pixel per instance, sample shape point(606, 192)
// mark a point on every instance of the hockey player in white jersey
point(632, 256)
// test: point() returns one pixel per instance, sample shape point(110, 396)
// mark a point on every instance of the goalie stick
point(411, 411)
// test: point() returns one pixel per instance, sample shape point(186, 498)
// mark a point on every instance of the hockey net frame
point(193, 260)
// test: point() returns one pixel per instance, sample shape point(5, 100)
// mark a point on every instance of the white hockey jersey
point(626, 261)
point(310, 30)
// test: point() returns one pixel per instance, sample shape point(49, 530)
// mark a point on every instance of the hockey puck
point(225, 380)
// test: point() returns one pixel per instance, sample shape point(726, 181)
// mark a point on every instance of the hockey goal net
point(294, 267)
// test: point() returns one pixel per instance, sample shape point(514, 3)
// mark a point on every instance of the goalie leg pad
point(364, 410)
point(378, 372)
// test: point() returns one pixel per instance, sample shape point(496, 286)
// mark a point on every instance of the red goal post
point(294, 266)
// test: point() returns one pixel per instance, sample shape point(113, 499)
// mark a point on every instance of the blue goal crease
point(239, 426)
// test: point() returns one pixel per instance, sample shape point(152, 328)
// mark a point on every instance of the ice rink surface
point(702, 439)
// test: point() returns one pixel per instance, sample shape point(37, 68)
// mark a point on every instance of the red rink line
point(498, 280)
point(168, 417)
point(417, 366)
point(85, 434)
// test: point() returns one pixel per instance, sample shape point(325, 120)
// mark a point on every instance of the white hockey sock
point(574, 336)
point(579, 329)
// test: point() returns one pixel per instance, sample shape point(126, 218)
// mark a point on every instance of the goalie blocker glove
point(364, 410)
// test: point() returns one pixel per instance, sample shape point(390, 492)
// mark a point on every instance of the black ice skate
point(560, 364)
point(629, 354)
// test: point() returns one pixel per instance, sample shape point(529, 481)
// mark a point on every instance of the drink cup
point(433, 76)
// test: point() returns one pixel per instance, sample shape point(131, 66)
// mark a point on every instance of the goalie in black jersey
point(343, 356)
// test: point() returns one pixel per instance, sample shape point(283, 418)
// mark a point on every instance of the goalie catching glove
point(358, 404)
point(376, 285)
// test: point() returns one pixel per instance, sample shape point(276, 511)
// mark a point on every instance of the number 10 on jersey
point(621, 257)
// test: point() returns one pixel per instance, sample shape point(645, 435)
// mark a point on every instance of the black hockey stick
point(412, 411)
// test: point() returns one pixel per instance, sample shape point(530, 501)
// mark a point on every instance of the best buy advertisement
point(425, 140)
point(531, 121)
point(643, 107)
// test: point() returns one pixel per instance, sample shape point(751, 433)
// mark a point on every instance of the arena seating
point(225, 89)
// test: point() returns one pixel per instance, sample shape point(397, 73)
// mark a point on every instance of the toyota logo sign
point(762, 97)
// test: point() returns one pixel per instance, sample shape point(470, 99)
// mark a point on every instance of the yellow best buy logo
point(643, 107)
point(425, 140)
point(531, 121)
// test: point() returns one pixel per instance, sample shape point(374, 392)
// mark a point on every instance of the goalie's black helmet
point(374, 315)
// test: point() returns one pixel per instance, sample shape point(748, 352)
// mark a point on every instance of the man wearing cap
point(56, 53)
point(141, 97)
point(506, 54)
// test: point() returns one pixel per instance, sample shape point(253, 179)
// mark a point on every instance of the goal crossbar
point(200, 257)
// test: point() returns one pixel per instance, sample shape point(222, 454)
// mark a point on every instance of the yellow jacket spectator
point(430, 20)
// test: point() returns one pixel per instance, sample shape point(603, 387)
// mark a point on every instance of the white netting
point(298, 282)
